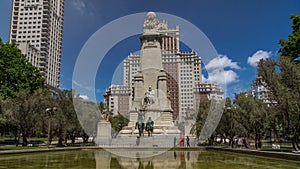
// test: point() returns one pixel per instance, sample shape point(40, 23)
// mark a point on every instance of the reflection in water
point(114, 163)
point(100, 159)
point(196, 159)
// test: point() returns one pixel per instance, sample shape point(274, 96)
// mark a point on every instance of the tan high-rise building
point(37, 28)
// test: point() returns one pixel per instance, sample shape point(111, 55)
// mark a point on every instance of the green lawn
point(2, 148)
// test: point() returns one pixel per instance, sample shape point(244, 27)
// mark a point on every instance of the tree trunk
point(25, 141)
point(256, 144)
point(259, 142)
point(294, 142)
point(60, 139)
point(245, 142)
point(297, 141)
point(18, 140)
point(73, 138)
point(211, 140)
point(16, 136)
point(231, 142)
point(66, 139)
point(85, 138)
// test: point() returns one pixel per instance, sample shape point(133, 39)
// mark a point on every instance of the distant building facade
point(259, 90)
point(207, 91)
point(37, 28)
point(32, 54)
point(117, 99)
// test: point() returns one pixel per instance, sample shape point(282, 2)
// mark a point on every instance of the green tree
point(118, 122)
point(65, 123)
point(291, 47)
point(251, 115)
point(201, 117)
point(24, 113)
point(283, 81)
point(228, 126)
point(16, 72)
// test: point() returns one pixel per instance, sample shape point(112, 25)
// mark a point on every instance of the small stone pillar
point(103, 133)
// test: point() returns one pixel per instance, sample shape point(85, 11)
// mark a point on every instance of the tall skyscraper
point(37, 28)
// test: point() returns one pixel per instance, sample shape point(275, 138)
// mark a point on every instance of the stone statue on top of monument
point(152, 24)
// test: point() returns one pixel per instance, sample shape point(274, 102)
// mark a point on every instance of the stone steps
point(144, 141)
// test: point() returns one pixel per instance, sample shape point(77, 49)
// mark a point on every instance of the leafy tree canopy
point(291, 46)
point(16, 72)
point(283, 79)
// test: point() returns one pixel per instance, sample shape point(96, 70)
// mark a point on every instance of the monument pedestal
point(103, 133)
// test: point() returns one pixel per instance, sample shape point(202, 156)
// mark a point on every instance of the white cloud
point(79, 5)
point(85, 97)
point(217, 73)
point(222, 77)
point(86, 87)
point(260, 54)
point(221, 62)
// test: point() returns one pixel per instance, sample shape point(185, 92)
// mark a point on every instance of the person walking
point(187, 141)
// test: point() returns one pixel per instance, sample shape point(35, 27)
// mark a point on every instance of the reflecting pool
point(101, 159)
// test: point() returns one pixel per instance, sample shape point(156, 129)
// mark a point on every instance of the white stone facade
point(39, 24)
point(32, 54)
point(130, 65)
point(189, 75)
point(117, 99)
point(259, 90)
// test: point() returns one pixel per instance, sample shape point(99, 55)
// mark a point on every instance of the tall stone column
point(138, 97)
point(163, 92)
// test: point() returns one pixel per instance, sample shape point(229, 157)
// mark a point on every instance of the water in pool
point(101, 159)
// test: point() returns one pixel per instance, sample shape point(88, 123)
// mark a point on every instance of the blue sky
point(240, 31)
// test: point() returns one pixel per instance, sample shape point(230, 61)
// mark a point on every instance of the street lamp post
point(231, 125)
point(50, 112)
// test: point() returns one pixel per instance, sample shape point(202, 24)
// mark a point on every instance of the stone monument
point(104, 130)
point(150, 86)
